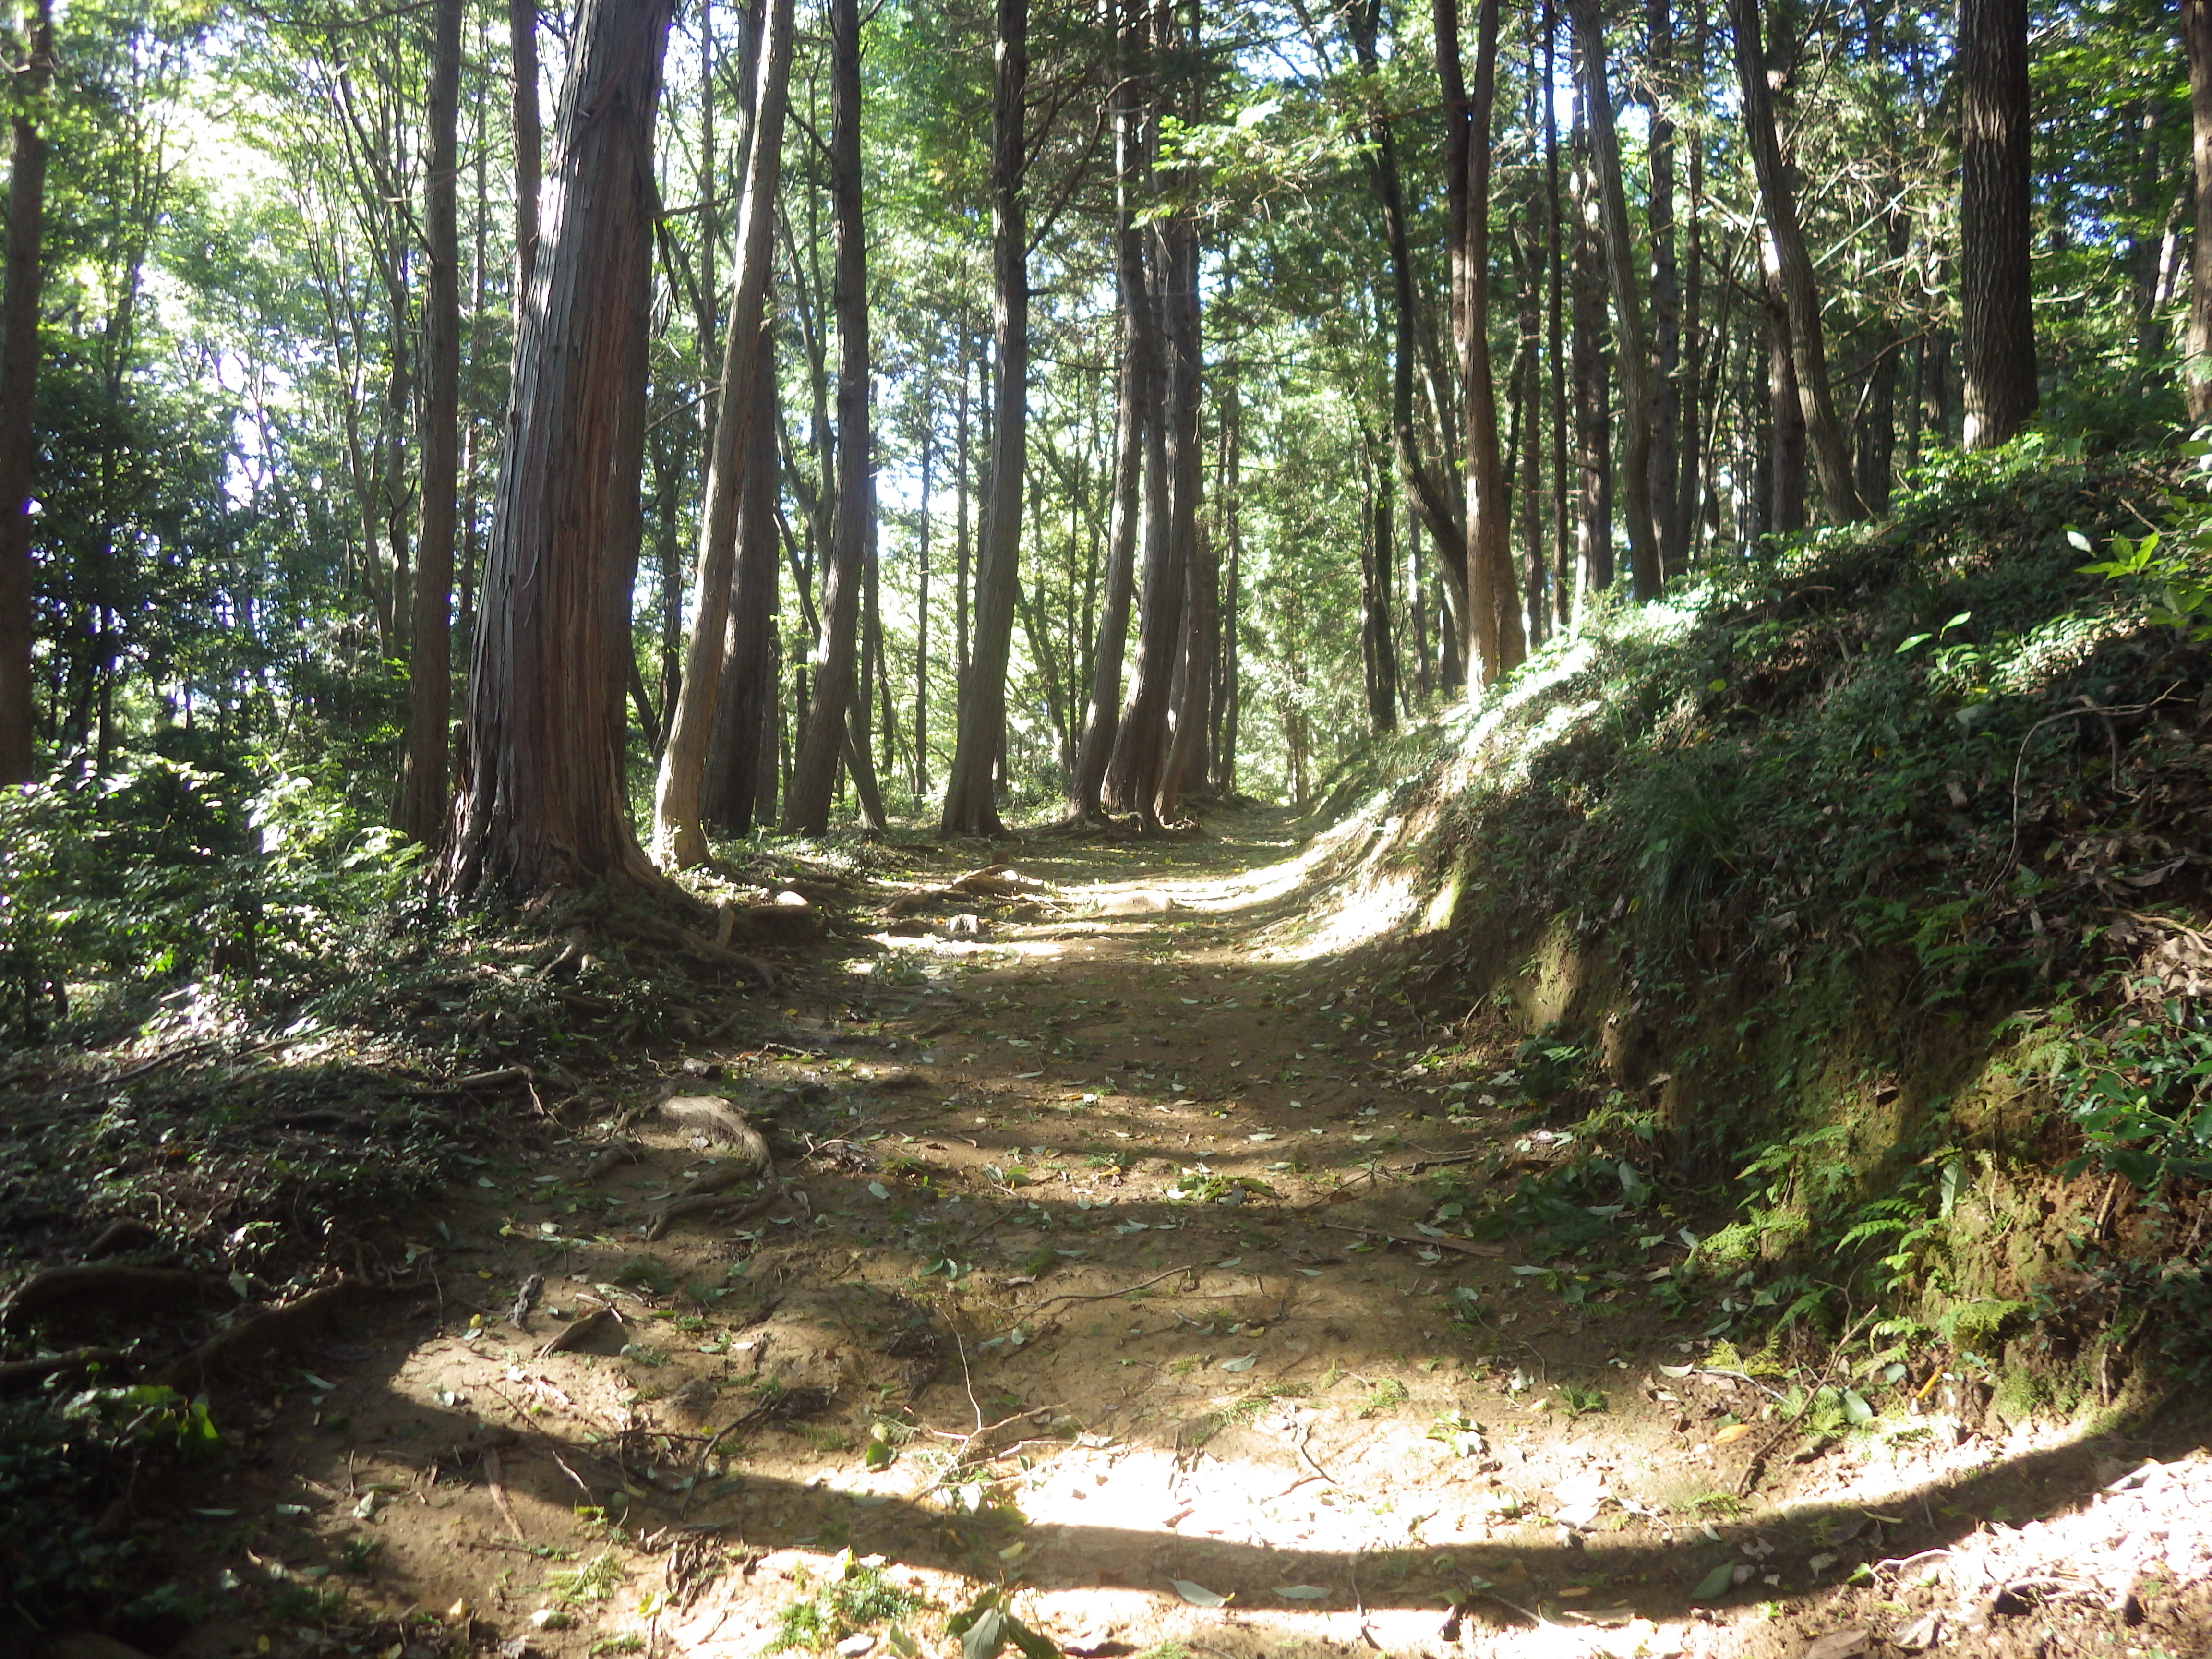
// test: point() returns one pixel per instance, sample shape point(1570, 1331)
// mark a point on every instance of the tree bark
point(1690, 457)
point(425, 789)
point(19, 381)
point(921, 596)
point(814, 769)
point(1632, 347)
point(529, 142)
point(1495, 640)
point(1593, 410)
point(1785, 406)
point(679, 841)
point(1996, 327)
point(1377, 673)
point(544, 803)
point(741, 760)
point(1563, 584)
point(1136, 417)
point(2197, 370)
point(1428, 501)
point(970, 804)
point(1659, 92)
point(1777, 196)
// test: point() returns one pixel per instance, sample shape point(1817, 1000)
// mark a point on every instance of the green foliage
point(169, 870)
point(852, 1598)
point(60, 1463)
point(2142, 1095)
point(987, 1627)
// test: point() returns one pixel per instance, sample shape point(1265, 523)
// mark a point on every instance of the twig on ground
point(1105, 1296)
point(495, 1479)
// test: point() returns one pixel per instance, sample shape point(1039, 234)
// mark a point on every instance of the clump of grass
point(853, 1598)
point(1385, 1396)
point(594, 1581)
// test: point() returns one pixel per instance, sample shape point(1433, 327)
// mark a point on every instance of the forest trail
point(1123, 1259)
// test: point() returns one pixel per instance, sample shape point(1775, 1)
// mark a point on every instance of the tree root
point(21, 1374)
point(296, 1320)
point(711, 1117)
point(110, 1285)
point(699, 1204)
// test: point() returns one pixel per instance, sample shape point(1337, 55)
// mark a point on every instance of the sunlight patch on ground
point(919, 943)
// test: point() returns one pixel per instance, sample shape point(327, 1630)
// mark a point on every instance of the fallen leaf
point(1242, 1365)
point(1716, 1583)
point(1301, 1592)
point(1730, 1435)
point(1197, 1594)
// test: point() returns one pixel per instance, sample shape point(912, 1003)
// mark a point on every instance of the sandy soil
point(1110, 1267)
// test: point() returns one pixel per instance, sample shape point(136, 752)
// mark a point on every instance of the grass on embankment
point(1853, 905)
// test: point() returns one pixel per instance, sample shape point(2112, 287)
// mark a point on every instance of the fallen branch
point(1108, 1295)
point(494, 1478)
point(1464, 1246)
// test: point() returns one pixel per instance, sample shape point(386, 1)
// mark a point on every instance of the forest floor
point(1125, 1268)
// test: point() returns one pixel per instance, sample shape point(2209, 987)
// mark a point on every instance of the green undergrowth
point(1853, 906)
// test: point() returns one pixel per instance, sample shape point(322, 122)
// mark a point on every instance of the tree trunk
point(1593, 408)
point(1428, 502)
point(1690, 461)
point(814, 769)
point(529, 142)
point(545, 803)
point(1997, 329)
point(1563, 584)
point(1659, 93)
point(1528, 421)
point(1133, 769)
point(679, 841)
point(1136, 417)
point(740, 770)
point(1632, 351)
point(425, 789)
point(2197, 370)
point(921, 596)
point(1194, 690)
point(1225, 687)
point(971, 807)
point(1777, 196)
point(1495, 640)
point(1375, 666)
point(19, 381)
point(1785, 512)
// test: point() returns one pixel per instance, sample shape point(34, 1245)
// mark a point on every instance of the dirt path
point(1122, 1260)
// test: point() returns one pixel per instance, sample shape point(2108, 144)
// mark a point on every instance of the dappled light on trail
point(1108, 1249)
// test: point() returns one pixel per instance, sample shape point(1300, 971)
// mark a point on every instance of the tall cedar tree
point(544, 803)
point(1136, 413)
point(425, 789)
point(740, 772)
point(826, 738)
point(1494, 639)
point(19, 380)
point(678, 839)
point(2196, 42)
point(971, 807)
point(1631, 358)
point(1997, 328)
point(1793, 265)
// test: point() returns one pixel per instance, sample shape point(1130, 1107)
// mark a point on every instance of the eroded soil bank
point(1118, 1253)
